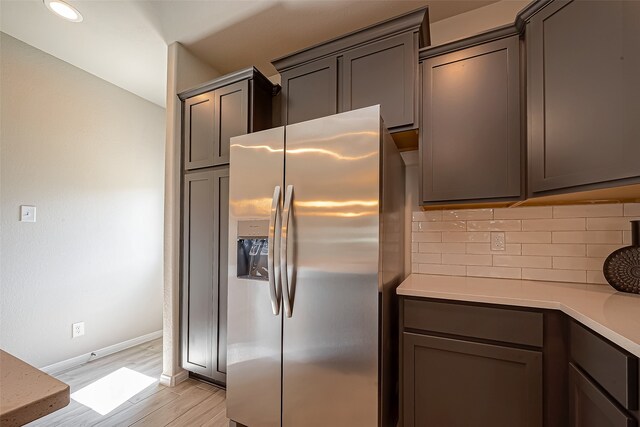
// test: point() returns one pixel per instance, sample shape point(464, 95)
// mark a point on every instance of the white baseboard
point(84, 358)
point(172, 381)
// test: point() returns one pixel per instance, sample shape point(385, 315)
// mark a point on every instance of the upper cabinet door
point(210, 121)
point(231, 118)
point(584, 95)
point(383, 72)
point(199, 132)
point(470, 134)
point(310, 91)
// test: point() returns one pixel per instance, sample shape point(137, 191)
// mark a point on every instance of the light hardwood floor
point(190, 403)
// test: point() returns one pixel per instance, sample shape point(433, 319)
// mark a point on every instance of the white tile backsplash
point(548, 243)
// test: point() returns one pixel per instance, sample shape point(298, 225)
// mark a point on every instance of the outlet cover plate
point(497, 241)
point(77, 330)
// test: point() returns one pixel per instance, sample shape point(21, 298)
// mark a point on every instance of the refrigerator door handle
point(286, 213)
point(274, 291)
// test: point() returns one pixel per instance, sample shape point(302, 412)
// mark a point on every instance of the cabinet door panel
point(382, 73)
point(222, 245)
point(456, 383)
point(584, 93)
point(231, 117)
point(589, 407)
point(310, 91)
point(199, 132)
point(471, 145)
point(204, 282)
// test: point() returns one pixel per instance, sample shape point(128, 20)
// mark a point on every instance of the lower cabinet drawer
point(451, 382)
point(477, 321)
point(590, 407)
point(613, 368)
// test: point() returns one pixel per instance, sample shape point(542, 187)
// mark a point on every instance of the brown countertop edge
point(614, 315)
point(27, 393)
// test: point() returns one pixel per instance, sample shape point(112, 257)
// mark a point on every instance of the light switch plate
point(27, 213)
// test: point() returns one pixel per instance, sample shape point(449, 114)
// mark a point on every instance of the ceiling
point(125, 41)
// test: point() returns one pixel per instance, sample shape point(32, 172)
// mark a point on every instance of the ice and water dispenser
point(253, 250)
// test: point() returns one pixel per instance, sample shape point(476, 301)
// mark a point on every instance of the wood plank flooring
point(190, 403)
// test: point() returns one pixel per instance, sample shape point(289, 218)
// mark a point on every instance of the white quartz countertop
point(614, 315)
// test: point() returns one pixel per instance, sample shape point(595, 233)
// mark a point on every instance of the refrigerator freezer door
point(254, 332)
point(330, 342)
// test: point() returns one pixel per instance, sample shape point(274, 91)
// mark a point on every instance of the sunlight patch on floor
point(111, 391)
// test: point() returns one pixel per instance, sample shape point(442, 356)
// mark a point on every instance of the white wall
point(184, 70)
point(90, 156)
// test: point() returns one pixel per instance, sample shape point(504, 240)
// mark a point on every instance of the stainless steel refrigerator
point(315, 254)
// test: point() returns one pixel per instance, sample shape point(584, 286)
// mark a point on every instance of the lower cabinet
point(453, 382)
point(470, 364)
point(204, 284)
point(590, 407)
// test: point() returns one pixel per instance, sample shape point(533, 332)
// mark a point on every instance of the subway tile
point(427, 216)
point(621, 223)
point(577, 263)
point(439, 248)
point(455, 236)
point(553, 275)
point(522, 261)
point(553, 249)
point(422, 258)
point(466, 259)
point(499, 272)
point(586, 211)
point(443, 226)
point(626, 237)
point(596, 277)
point(420, 237)
point(447, 270)
point(553, 224)
point(611, 237)
point(534, 212)
point(601, 250)
point(632, 209)
point(414, 247)
point(499, 225)
point(414, 267)
point(415, 226)
point(467, 214)
point(485, 248)
point(528, 237)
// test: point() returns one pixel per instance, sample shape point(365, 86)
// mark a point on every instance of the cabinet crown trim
point(417, 20)
point(489, 36)
point(218, 82)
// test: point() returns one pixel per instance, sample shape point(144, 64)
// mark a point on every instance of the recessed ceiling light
point(63, 10)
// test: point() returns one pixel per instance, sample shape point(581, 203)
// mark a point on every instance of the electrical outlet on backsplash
point(564, 243)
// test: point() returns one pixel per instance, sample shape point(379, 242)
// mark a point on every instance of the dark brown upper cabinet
point(215, 112)
point(310, 91)
point(375, 65)
point(583, 95)
point(471, 141)
point(382, 73)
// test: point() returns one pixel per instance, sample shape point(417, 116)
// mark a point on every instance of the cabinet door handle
point(286, 213)
point(274, 291)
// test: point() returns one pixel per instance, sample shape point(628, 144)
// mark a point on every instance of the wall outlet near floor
point(497, 241)
point(77, 330)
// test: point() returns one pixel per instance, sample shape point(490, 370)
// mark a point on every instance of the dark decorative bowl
point(622, 267)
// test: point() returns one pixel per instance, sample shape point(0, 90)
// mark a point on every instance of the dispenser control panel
point(253, 250)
